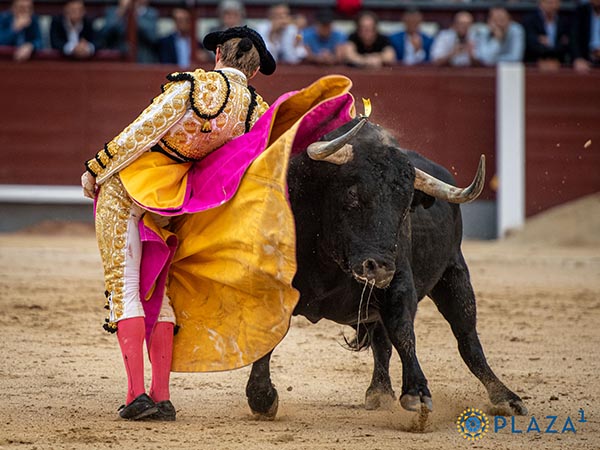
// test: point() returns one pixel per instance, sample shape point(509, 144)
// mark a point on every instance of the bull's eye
point(351, 201)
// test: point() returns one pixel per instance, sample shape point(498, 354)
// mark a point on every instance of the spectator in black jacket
point(586, 36)
point(72, 33)
point(547, 35)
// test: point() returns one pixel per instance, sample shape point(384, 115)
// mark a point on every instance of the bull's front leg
point(262, 395)
point(398, 315)
point(380, 394)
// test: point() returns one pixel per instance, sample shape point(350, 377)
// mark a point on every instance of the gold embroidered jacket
point(196, 113)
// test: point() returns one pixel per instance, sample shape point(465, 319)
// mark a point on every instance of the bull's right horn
point(322, 149)
point(438, 189)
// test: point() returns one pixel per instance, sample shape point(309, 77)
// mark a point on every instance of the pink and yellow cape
point(229, 258)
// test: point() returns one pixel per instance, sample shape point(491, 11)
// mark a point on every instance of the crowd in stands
point(545, 37)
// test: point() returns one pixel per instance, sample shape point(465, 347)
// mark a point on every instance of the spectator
point(455, 46)
point(114, 32)
point(20, 28)
point(366, 47)
point(72, 33)
point(412, 46)
point(281, 35)
point(231, 14)
point(547, 35)
point(178, 47)
point(323, 43)
point(502, 40)
point(300, 21)
point(586, 36)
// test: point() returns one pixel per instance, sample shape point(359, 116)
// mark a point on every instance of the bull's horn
point(322, 149)
point(438, 189)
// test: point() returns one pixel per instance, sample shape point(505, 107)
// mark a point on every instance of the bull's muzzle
point(372, 271)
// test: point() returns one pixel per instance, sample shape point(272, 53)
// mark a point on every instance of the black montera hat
point(267, 63)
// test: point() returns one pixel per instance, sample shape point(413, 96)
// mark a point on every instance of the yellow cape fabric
point(155, 180)
point(230, 279)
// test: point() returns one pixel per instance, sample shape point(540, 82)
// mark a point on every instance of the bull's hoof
point(518, 407)
point(416, 402)
point(378, 399)
point(270, 413)
point(507, 403)
point(509, 408)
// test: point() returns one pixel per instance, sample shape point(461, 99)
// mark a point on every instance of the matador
point(196, 113)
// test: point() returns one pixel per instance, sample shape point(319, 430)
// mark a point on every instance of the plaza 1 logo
point(473, 424)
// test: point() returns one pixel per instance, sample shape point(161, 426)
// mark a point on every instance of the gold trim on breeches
point(117, 219)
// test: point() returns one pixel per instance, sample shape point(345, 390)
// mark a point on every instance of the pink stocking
point(130, 333)
point(161, 353)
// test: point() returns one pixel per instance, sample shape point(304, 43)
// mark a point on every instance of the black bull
point(360, 219)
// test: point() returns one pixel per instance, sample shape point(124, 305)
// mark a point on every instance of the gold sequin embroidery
point(146, 130)
point(170, 118)
point(112, 216)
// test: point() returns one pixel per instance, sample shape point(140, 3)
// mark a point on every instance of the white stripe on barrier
point(510, 146)
point(38, 194)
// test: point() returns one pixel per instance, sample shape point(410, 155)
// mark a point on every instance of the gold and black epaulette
point(209, 93)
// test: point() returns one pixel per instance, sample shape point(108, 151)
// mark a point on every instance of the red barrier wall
point(562, 114)
point(58, 114)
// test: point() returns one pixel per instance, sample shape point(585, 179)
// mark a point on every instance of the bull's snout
point(372, 271)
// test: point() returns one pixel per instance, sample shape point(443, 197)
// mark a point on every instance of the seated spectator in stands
point(72, 33)
point(322, 41)
point(367, 47)
point(586, 36)
point(547, 36)
point(114, 33)
point(20, 28)
point(502, 40)
point(178, 47)
point(456, 45)
point(412, 46)
point(231, 14)
point(281, 35)
point(300, 21)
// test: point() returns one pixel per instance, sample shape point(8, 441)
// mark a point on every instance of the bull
point(370, 214)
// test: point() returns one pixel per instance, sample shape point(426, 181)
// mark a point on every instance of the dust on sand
point(62, 379)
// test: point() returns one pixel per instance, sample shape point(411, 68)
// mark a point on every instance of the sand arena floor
point(62, 380)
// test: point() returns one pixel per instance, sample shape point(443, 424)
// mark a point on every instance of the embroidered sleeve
point(144, 132)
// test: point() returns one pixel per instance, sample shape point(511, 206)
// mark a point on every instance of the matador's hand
point(88, 183)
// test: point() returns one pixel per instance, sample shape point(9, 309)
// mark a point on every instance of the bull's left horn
point(438, 189)
point(322, 149)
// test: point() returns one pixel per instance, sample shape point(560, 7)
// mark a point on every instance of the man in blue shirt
point(502, 40)
point(412, 46)
point(322, 41)
point(19, 28)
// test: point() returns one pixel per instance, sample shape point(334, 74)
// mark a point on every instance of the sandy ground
point(61, 377)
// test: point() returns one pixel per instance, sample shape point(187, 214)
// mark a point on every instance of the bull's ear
point(423, 199)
